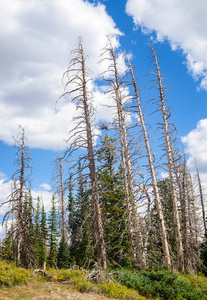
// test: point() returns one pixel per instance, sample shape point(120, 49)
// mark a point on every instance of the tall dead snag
point(181, 177)
point(170, 163)
point(19, 198)
point(158, 204)
point(138, 260)
point(77, 80)
point(59, 189)
point(201, 197)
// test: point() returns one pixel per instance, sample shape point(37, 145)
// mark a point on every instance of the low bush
point(111, 289)
point(198, 281)
point(160, 285)
point(11, 275)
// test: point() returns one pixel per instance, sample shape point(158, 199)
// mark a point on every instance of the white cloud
point(5, 191)
point(182, 23)
point(196, 145)
point(43, 192)
point(36, 39)
point(45, 198)
point(45, 186)
point(164, 175)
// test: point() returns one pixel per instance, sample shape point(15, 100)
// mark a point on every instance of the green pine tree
point(53, 235)
point(82, 245)
point(113, 203)
point(29, 228)
point(63, 256)
point(6, 249)
point(42, 252)
point(37, 233)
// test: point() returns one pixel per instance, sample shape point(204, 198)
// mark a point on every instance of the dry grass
point(46, 291)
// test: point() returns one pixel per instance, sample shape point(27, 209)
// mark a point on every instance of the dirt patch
point(46, 291)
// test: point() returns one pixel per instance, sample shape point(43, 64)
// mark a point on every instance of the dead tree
point(20, 194)
point(126, 161)
point(77, 84)
point(182, 181)
point(201, 197)
point(163, 232)
point(59, 190)
point(161, 89)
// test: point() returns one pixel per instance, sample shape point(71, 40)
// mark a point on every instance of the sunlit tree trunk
point(141, 262)
point(201, 198)
point(77, 84)
point(170, 168)
point(153, 177)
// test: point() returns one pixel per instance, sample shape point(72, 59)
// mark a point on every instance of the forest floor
point(46, 291)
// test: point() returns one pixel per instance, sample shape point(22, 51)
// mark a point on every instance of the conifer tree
point(53, 235)
point(37, 232)
point(134, 226)
point(110, 181)
point(43, 238)
point(81, 248)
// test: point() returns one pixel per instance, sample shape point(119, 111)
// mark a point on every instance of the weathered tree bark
point(98, 227)
point(59, 190)
point(77, 75)
point(170, 168)
point(21, 239)
point(163, 232)
point(140, 259)
point(62, 201)
point(181, 175)
point(62, 197)
point(201, 198)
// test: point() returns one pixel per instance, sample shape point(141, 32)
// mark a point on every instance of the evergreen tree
point(53, 235)
point(37, 233)
point(43, 237)
point(155, 243)
point(81, 249)
point(6, 249)
point(63, 256)
point(113, 203)
point(29, 227)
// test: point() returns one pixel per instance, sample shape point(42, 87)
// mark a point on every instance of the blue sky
point(36, 39)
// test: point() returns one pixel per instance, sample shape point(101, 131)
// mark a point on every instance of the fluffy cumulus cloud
point(36, 40)
point(196, 142)
point(182, 23)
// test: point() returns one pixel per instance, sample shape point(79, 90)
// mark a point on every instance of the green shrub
point(115, 290)
point(11, 275)
point(78, 279)
point(160, 285)
point(198, 281)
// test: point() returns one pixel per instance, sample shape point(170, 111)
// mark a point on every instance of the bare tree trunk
point(153, 177)
point(141, 262)
point(98, 227)
point(170, 168)
point(201, 198)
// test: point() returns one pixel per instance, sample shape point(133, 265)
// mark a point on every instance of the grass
point(12, 279)
point(18, 283)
